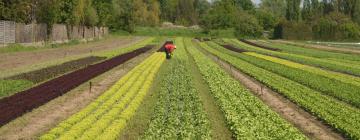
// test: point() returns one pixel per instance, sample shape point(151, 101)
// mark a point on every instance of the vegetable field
point(166, 99)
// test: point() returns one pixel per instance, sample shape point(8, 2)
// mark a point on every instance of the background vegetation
point(288, 19)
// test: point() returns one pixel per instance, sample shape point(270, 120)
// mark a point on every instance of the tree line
point(291, 19)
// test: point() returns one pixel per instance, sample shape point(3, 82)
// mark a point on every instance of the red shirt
point(170, 47)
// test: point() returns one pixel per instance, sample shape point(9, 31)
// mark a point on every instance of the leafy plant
point(247, 116)
point(123, 98)
point(339, 115)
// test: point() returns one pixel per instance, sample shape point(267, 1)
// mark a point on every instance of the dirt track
point(22, 59)
point(301, 119)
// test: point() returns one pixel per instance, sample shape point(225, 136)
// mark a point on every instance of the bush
point(336, 26)
point(248, 27)
point(293, 30)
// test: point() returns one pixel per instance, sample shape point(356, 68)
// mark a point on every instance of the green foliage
point(179, 113)
point(9, 87)
point(293, 30)
point(339, 115)
point(300, 58)
point(246, 115)
point(91, 17)
point(266, 19)
point(48, 12)
point(154, 31)
point(105, 117)
point(16, 48)
point(221, 16)
point(275, 7)
point(116, 52)
point(336, 26)
point(248, 26)
point(244, 4)
point(293, 10)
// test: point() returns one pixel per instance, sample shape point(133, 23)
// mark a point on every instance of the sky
point(256, 1)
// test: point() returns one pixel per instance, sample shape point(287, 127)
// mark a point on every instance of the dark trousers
point(168, 54)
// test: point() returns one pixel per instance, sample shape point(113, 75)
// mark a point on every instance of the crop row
point(179, 113)
point(107, 115)
point(339, 87)
point(130, 48)
point(313, 52)
point(326, 60)
point(8, 87)
point(247, 116)
point(339, 115)
point(322, 63)
point(330, 83)
point(24, 101)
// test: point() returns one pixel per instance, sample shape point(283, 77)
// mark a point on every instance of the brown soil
point(301, 119)
point(44, 74)
point(42, 119)
point(232, 48)
point(320, 47)
point(21, 59)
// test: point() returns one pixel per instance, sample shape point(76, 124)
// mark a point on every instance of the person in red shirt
point(169, 49)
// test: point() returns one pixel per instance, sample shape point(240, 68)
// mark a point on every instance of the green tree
point(222, 15)
point(266, 19)
point(293, 10)
point(276, 7)
point(154, 13)
point(90, 15)
point(306, 11)
point(48, 12)
point(123, 15)
point(248, 27)
point(186, 13)
point(244, 4)
point(104, 11)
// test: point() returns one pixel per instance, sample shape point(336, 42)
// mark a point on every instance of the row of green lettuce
point(312, 78)
point(179, 113)
point(246, 115)
point(340, 116)
point(312, 52)
point(347, 68)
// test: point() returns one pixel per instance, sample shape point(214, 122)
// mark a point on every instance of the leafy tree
point(48, 12)
point(154, 13)
point(306, 12)
point(222, 15)
point(244, 4)
point(266, 19)
point(248, 27)
point(104, 11)
point(293, 10)
point(90, 15)
point(123, 16)
point(276, 7)
point(186, 13)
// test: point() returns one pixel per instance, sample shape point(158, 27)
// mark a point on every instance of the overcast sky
point(256, 1)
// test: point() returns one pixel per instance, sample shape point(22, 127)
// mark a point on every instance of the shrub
point(248, 27)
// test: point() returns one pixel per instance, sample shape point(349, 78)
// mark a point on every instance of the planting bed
point(259, 45)
point(232, 48)
point(22, 102)
point(41, 75)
